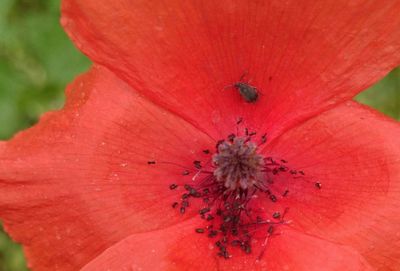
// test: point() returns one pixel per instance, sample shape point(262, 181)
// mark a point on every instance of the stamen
point(263, 139)
point(229, 185)
point(276, 215)
point(200, 230)
point(285, 193)
point(197, 164)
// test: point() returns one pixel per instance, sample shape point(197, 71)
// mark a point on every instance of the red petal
point(354, 152)
point(79, 181)
point(180, 248)
point(303, 56)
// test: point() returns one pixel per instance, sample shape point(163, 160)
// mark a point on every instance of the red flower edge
point(108, 131)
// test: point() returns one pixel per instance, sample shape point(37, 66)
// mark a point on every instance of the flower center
point(238, 165)
point(235, 190)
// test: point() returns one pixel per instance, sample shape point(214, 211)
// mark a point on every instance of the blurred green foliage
point(385, 95)
point(36, 62)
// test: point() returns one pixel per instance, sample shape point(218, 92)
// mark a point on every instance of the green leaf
point(385, 95)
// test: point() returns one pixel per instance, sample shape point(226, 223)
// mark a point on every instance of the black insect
point(248, 92)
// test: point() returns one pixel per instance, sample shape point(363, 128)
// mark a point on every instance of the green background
point(37, 61)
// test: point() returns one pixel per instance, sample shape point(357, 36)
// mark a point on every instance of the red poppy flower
point(237, 110)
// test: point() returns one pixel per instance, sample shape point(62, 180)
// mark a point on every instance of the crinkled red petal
point(303, 56)
point(354, 153)
point(180, 249)
point(80, 181)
